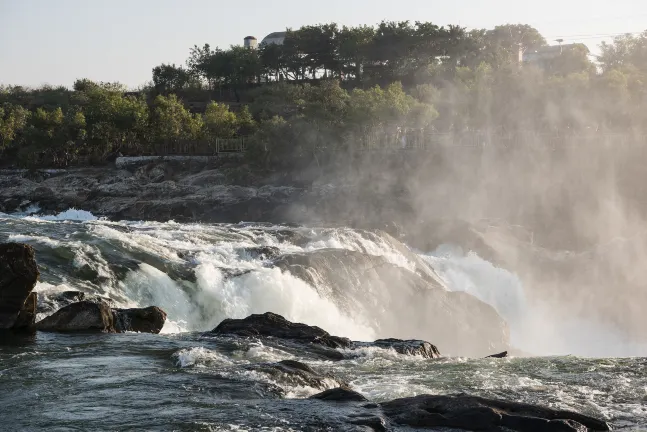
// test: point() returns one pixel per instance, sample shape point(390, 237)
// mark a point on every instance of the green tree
point(171, 122)
point(13, 120)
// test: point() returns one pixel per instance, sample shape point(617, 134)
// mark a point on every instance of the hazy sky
point(57, 41)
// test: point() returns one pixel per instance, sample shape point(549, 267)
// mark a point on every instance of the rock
point(82, 316)
point(18, 276)
point(147, 320)
point(504, 354)
point(27, 317)
point(476, 413)
point(340, 394)
point(263, 252)
point(407, 347)
point(295, 374)
point(51, 302)
point(273, 325)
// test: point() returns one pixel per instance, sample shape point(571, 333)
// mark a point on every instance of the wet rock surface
point(298, 374)
point(18, 276)
point(273, 325)
point(83, 316)
point(406, 347)
point(98, 316)
point(142, 320)
point(476, 413)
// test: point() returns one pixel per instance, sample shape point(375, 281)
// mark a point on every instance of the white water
point(212, 297)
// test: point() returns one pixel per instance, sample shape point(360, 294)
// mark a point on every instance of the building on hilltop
point(542, 56)
point(251, 42)
point(274, 38)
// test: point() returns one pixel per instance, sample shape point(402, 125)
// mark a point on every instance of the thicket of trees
point(328, 87)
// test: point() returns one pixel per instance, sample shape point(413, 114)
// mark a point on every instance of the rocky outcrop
point(146, 320)
point(84, 316)
point(318, 342)
point(98, 316)
point(18, 276)
point(273, 325)
point(480, 414)
point(297, 374)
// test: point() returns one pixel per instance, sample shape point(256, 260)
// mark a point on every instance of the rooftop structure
point(274, 38)
point(251, 42)
point(546, 53)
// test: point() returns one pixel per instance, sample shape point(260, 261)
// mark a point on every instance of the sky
point(57, 41)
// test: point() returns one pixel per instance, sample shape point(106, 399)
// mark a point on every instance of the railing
point(211, 147)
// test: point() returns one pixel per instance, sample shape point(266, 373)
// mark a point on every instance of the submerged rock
point(476, 413)
point(297, 374)
point(273, 325)
point(340, 394)
point(82, 316)
point(146, 320)
point(263, 252)
point(18, 276)
point(407, 347)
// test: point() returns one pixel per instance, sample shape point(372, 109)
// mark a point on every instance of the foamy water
point(201, 274)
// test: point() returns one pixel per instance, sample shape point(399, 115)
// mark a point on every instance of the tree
point(13, 119)
point(219, 122)
point(172, 122)
point(626, 50)
point(170, 78)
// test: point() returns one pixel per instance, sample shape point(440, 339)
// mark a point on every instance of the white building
point(274, 38)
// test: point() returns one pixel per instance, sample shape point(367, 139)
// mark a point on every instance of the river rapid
point(185, 380)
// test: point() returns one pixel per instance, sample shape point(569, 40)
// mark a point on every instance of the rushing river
point(186, 380)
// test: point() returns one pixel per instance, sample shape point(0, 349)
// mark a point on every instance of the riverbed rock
point(297, 374)
point(503, 354)
point(263, 252)
point(272, 325)
point(84, 316)
point(480, 414)
point(50, 302)
point(27, 317)
point(146, 320)
point(340, 394)
point(18, 276)
point(406, 347)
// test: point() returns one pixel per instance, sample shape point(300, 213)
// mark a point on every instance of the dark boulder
point(340, 394)
point(51, 302)
point(294, 374)
point(407, 347)
point(273, 325)
point(82, 316)
point(27, 317)
point(18, 276)
point(146, 320)
point(263, 252)
point(480, 414)
point(504, 354)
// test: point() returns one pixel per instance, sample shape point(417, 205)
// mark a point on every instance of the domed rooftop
point(274, 38)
